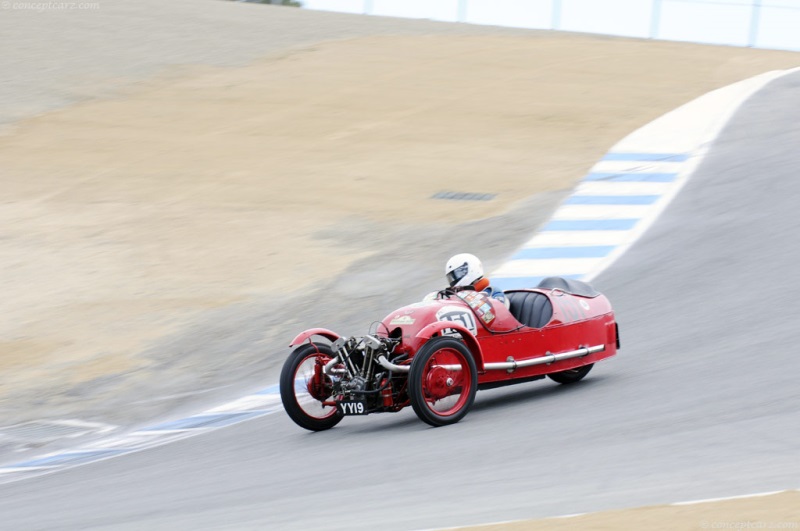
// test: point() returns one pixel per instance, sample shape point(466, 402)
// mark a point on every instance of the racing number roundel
point(458, 315)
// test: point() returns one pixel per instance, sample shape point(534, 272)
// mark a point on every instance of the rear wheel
point(306, 391)
point(571, 375)
point(442, 381)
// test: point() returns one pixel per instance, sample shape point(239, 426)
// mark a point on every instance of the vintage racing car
point(435, 355)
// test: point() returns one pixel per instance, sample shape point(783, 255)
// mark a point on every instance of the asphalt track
point(701, 402)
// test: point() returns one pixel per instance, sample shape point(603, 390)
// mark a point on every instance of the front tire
point(571, 375)
point(442, 381)
point(305, 388)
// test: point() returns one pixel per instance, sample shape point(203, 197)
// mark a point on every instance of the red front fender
point(324, 332)
point(472, 343)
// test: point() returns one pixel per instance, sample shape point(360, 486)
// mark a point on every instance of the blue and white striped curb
point(616, 202)
point(604, 213)
point(626, 191)
point(249, 407)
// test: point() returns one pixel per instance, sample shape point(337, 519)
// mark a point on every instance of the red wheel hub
point(319, 384)
point(439, 383)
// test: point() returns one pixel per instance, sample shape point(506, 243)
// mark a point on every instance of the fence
point(754, 23)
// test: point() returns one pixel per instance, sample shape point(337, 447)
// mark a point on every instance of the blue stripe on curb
point(629, 177)
point(69, 458)
point(612, 199)
point(590, 251)
point(648, 157)
point(590, 224)
point(205, 421)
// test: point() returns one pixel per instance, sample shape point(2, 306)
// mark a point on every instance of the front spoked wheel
point(442, 381)
point(306, 391)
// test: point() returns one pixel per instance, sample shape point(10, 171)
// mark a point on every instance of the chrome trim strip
point(543, 360)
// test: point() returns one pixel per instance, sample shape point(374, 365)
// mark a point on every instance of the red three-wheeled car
point(435, 355)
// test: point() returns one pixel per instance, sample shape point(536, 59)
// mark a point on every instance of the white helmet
point(463, 270)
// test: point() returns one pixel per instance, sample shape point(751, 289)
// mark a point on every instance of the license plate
point(351, 407)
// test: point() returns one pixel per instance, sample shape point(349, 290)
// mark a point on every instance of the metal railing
point(753, 23)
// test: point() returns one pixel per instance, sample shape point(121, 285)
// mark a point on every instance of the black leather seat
point(530, 308)
point(569, 285)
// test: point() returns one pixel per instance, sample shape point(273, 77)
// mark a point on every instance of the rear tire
point(304, 388)
point(571, 375)
point(442, 381)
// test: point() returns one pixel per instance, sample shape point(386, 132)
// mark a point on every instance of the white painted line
point(740, 497)
point(247, 403)
point(139, 439)
point(19, 469)
point(575, 515)
point(96, 427)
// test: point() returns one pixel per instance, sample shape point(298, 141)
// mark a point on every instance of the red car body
point(558, 328)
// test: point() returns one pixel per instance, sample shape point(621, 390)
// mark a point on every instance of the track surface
point(701, 402)
point(141, 261)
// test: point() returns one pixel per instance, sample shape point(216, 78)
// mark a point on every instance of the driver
point(465, 271)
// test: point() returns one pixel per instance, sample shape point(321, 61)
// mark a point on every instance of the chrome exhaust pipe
point(511, 365)
point(386, 364)
point(328, 368)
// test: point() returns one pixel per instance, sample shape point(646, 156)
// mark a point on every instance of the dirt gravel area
point(776, 511)
point(165, 195)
